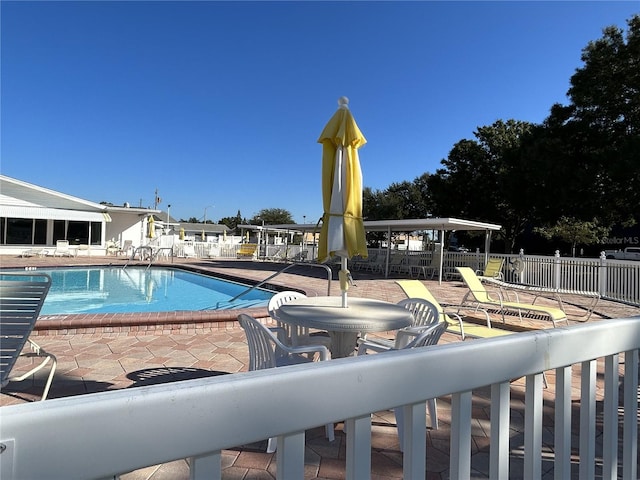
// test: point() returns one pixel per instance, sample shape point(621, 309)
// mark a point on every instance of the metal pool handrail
point(152, 254)
point(328, 269)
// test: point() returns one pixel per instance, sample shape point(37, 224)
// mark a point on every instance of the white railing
point(616, 280)
point(613, 279)
point(229, 251)
point(105, 434)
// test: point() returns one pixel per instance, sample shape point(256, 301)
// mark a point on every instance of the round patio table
point(344, 323)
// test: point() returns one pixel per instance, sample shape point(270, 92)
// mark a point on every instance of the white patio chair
point(21, 299)
point(295, 335)
point(426, 336)
point(63, 249)
point(424, 314)
point(189, 251)
point(267, 351)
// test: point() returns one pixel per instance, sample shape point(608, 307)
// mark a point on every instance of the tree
point(602, 123)
point(233, 222)
point(480, 179)
point(272, 216)
point(408, 200)
point(575, 232)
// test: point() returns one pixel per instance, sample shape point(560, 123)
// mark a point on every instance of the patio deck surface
point(94, 357)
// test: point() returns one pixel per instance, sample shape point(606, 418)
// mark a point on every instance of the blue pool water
point(130, 290)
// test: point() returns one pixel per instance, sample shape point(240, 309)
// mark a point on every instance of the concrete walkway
point(118, 355)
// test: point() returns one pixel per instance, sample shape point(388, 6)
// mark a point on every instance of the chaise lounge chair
point(415, 288)
point(478, 295)
point(455, 323)
point(63, 249)
point(21, 298)
point(426, 266)
point(592, 297)
point(247, 250)
point(493, 269)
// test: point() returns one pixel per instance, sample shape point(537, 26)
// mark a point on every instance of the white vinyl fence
point(617, 280)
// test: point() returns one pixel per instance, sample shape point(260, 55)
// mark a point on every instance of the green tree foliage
point(398, 201)
point(481, 179)
point(272, 216)
point(233, 222)
point(574, 232)
point(600, 128)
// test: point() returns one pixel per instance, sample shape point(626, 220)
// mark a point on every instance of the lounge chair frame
point(21, 298)
point(478, 295)
point(537, 292)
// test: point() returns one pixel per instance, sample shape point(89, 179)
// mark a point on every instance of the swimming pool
point(104, 289)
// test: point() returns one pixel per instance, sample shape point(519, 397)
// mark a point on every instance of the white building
point(34, 217)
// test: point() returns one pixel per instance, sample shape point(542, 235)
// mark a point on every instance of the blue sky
point(219, 105)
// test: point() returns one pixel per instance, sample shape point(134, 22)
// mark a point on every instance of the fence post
point(556, 269)
point(602, 275)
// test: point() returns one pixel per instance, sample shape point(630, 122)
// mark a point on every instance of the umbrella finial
point(343, 102)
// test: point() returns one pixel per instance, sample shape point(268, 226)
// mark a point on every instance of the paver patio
point(104, 358)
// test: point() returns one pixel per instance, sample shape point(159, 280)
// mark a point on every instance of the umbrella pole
point(344, 281)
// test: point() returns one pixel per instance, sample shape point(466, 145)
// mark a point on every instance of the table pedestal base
point(343, 344)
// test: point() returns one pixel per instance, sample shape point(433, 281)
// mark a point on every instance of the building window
point(19, 231)
point(39, 231)
point(78, 233)
point(28, 231)
point(59, 230)
point(96, 233)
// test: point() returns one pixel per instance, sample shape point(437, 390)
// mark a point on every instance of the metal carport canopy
point(413, 224)
point(440, 224)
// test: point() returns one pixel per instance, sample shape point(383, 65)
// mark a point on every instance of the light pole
point(304, 232)
point(167, 227)
point(204, 219)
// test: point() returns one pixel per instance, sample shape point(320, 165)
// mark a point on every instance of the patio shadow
point(159, 375)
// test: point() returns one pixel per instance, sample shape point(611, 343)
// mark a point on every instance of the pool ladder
point(305, 264)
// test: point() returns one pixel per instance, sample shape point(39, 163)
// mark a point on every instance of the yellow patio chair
point(455, 323)
point(493, 269)
point(247, 250)
point(479, 295)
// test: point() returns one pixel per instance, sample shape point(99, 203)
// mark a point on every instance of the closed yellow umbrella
point(342, 231)
point(152, 227)
point(182, 234)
